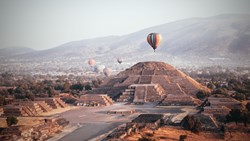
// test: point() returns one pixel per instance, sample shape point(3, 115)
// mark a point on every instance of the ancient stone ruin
point(152, 82)
point(227, 102)
point(95, 100)
point(46, 129)
point(55, 103)
point(33, 108)
point(151, 121)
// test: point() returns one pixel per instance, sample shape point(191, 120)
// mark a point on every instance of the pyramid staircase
point(61, 103)
point(11, 110)
point(26, 110)
point(96, 99)
point(140, 94)
point(31, 106)
point(54, 103)
point(15, 110)
point(155, 93)
point(108, 100)
point(44, 106)
point(127, 95)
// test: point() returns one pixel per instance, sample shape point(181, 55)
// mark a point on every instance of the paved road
point(95, 121)
point(90, 131)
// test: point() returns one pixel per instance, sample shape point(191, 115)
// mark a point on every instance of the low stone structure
point(142, 121)
point(207, 121)
point(227, 102)
point(25, 108)
point(216, 110)
point(32, 108)
point(95, 100)
point(179, 100)
point(55, 103)
point(149, 120)
point(42, 131)
point(18, 110)
point(123, 112)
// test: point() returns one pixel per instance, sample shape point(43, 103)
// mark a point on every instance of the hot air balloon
point(99, 68)
point(119, 60)
point(154, 40)
point(91, 62)
point(107, 71)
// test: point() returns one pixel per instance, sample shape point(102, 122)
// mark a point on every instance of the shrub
point(248, 106)
point(240, 96)
point(191, 123)
point(201, 94)
point(88, 87)
point(11, 120)
point(145, 139)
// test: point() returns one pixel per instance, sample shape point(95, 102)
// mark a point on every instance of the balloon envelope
point(154, 40)
point(91, 62)
point(107, 71)
point(119, 60)
point(99, 68)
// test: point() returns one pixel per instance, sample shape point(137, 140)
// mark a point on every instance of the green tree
point(143, 138)
point(191, 123)
point(211, 86)
point(30, 96)
point(246, 118)
point(240, 96)
point(66, 87)
point(51, 92)
point(11, 120)
point(248, 106)
point(234, 115)
point(88, 87)
point(201, 94)
point(1, 100)
point(77, 86)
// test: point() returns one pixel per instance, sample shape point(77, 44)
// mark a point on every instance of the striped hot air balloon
point(154, 40)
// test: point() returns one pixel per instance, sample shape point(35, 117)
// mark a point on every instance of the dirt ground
point(172, 133)
point(57, 111)
point(30, 121)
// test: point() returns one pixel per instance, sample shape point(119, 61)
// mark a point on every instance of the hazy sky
point(42, 24)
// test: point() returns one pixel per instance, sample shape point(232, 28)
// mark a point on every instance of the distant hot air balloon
point(154, 40)
point(91, 62)
point(107, 71)
point(99, 68)
point(119, 60)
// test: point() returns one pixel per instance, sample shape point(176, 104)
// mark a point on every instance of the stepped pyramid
point(150, 81)
point(96, 99)
point(25, 108)
point(55, 103)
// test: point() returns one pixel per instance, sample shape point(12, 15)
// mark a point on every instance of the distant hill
point(191, 41)
point(13, 51)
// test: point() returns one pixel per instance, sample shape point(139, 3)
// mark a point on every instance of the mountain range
point(223, 38)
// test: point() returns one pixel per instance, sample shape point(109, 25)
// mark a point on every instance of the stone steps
point(127, 95)
point(99, 99)
point(55, 103)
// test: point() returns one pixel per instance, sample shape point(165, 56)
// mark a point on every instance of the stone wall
point(40, 132)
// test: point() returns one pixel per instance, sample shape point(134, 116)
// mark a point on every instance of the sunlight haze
point(45, 24)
